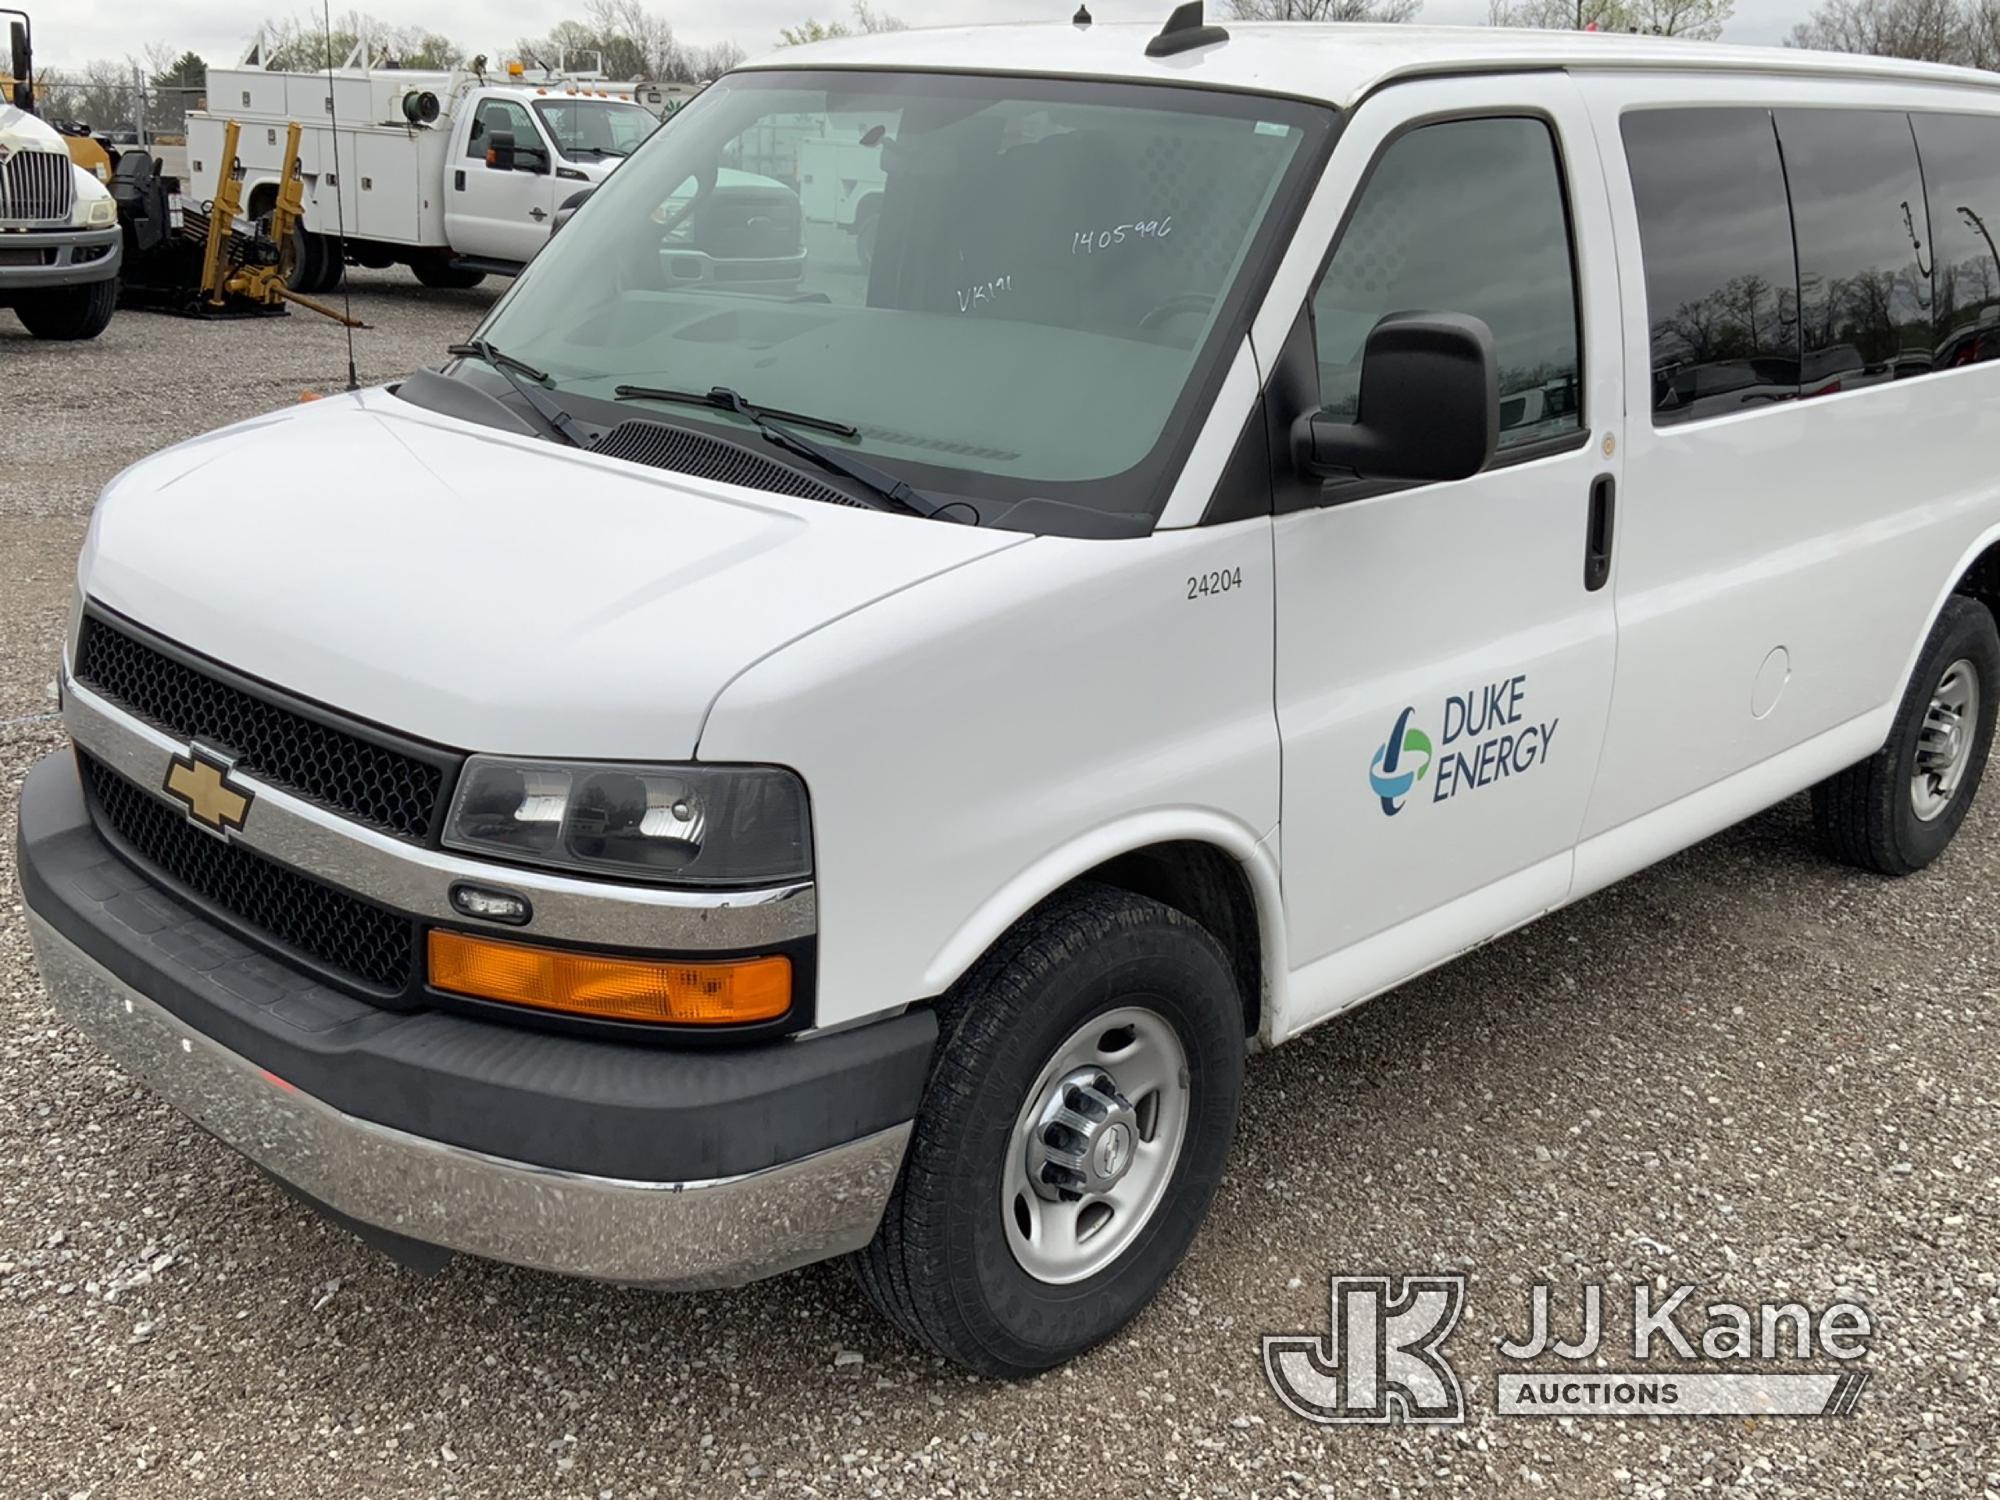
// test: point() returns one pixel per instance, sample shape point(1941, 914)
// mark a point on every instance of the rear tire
point(1142, 990)
point(69, 313)
point(1897, 811)
point(308, 259)
point(436, 273)
point(332, 265)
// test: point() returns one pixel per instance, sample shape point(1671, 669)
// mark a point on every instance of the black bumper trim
point(568, 1103)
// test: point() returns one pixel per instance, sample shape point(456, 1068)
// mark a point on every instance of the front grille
point(338, 931)
point(659, 446)
point(385, 786)
point(36, 188)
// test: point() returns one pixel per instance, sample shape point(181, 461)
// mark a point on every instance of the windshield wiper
point(557, 421)
point(888, 486)
point(724, 399)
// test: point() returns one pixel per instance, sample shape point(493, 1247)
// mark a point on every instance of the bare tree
point(304, 44)
point(630, 42)
point(1982, 34)
point(1562, 15)
point(866, 19)
point(1697, 20)
point(1325, 10)
point(1926, 30)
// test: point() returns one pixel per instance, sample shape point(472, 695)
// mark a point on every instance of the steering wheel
point(1175, 306)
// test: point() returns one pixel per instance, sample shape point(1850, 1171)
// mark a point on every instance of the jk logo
point(1380, 1359)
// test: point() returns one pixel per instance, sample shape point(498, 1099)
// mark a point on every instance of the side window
point(1715, 234)
point(1961, 156)
point(500, 114)
point(1406, 248)
point(1864, 267)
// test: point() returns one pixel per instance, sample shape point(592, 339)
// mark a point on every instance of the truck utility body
point(398, 164)
point(850, 766)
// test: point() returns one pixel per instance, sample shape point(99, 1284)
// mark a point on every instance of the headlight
point(101, 214)
point(691, 825)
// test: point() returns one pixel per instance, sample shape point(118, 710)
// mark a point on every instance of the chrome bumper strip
point(679, 1235)
point(393, 872)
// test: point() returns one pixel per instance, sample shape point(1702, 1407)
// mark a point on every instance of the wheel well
point(1202, 882)
point(1982, 579)
point(263, 198)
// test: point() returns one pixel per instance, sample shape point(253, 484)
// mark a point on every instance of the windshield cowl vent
point(659, 445)
point(1184, 32)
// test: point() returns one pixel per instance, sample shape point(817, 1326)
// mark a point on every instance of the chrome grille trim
point(395, 873)
point(36, 189)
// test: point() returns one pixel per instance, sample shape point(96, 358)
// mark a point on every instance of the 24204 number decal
point(1202, 585)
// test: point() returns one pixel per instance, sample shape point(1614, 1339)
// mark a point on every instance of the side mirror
point(21, 66)
point(566, 210)
point(531, 159)
point(500, 149)
point(1429, 406)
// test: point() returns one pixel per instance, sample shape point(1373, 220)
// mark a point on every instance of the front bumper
point(35, 258)
point(625, 1163)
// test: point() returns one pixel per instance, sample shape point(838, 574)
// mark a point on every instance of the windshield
point(1011, 288)
point(595, 127)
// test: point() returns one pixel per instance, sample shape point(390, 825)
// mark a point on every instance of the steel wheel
point(1944, 744)
point(1094, 1145)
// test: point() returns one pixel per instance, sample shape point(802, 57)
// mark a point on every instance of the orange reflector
point(617, 989)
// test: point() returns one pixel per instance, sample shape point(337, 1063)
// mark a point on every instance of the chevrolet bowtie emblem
point(199, 781)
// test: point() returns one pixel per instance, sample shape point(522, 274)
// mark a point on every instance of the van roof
point(1337, 63)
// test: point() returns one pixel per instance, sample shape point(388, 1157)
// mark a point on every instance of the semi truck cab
point(59, 238)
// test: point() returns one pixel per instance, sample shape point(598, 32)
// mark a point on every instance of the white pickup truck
point(452, 173)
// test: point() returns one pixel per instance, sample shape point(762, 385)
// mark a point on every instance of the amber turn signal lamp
point(725, 992)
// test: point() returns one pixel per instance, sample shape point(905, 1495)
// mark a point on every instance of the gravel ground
point(1746, 1068)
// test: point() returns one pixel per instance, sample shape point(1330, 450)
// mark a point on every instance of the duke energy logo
point(1488, 738)
point(1400, 763)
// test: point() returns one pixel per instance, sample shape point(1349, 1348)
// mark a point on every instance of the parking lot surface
point(1747, 1068)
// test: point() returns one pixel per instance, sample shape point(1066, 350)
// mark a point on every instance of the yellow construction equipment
point(256, 272)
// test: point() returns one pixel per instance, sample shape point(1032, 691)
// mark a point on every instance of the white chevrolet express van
point(711, 780)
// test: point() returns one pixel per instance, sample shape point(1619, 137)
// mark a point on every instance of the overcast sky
point(70, 32)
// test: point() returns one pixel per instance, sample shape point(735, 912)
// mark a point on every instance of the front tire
point(69, 313)
point(1897, 811)
point(1084, 1097)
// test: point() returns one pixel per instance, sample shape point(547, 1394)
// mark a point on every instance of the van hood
point(486, 591)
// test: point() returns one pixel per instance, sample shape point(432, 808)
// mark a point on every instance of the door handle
point(458, 181)
point(1598, 530)
point(538, 214)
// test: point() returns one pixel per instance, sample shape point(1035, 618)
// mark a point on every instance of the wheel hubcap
point(1944, 743)
point(1095, 1144)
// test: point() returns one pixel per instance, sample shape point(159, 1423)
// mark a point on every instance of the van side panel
point(1777, 567)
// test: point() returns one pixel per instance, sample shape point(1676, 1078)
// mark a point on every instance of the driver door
point(1445, 650)
point(494, 213)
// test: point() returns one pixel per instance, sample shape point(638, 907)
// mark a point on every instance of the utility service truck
point(453, 173)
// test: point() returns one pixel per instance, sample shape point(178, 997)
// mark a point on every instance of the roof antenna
point(1184, 32)
point(1082, 16)
point(339, 209)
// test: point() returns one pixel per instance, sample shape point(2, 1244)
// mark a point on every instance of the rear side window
point(1961, 155)
point(1716, 236)
point(1864, 272)
point(1407, 248)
